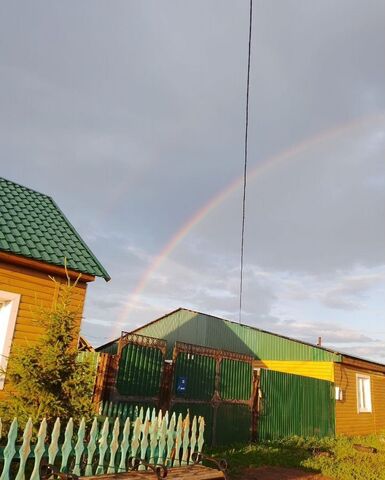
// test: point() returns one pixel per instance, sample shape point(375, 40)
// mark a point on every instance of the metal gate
point(218, 385)
point(239, 403)
point(135, 373)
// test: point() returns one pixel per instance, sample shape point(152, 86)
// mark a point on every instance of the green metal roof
point(33, 226)
point(209, 331)
point(206, 330)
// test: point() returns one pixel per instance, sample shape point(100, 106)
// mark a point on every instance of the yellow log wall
point(348, 420)
point(320, 370)
point(36, 290)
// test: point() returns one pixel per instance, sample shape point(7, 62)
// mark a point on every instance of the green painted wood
point(148, 414)
point(24, 450)
point(144, 442)
point(170, 440)
point(103, 445)
point(153, 415)
point(54, 445)
point(67, 445)
point(39, 450)
point(79, 447)
point(114, 445)
point(165, 442)
point(162, 441)
point(193, 439)
point(186, 439)
point(160, 419)
point(10, 449)
point(91, 447)
point(178, 440)
point(201, 422)
point(153, 436)
point(135, 442)
point(124, 445)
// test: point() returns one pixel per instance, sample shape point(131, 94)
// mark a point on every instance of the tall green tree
point(45, 379)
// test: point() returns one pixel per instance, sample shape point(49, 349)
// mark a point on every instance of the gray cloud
point(349, 293)
point(130, 114)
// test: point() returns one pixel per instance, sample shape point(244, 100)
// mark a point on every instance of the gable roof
point(238, 326)
point(338, 355)
point(33, 226)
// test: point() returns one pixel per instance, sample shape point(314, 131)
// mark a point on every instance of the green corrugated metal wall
point(235, 380)
point(213, 332)
point(140, 370)
point(199, 371)
point(233, 424)
point(295, 405)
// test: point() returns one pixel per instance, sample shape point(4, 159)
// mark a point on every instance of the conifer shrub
point(45, 379)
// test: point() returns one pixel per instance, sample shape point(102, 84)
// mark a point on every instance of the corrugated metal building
point(355, 386)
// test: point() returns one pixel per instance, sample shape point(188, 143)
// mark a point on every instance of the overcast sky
point(130, 114)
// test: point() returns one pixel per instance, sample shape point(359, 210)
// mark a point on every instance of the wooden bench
point(194, 471)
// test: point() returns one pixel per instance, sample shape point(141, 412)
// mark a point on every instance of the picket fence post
point(10, 449)
point(91, 447)
point(79, 447)
point(24, 450)
point(124, 445)
point(54, 446)
point(114, 446)
point(39, 450)
point(103, 445)
point(170, 440)
point(162, 439)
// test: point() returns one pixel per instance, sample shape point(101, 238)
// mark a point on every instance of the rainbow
point(260, 169)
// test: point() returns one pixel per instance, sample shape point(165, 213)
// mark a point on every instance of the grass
point(333, 457)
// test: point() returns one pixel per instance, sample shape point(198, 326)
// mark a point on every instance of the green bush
point(45, 379)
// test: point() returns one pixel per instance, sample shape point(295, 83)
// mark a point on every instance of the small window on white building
point(9, 305)
point(364, 397)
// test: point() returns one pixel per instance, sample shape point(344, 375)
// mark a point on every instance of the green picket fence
point(104, 448)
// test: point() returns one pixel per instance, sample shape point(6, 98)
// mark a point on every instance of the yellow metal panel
point(320, 370)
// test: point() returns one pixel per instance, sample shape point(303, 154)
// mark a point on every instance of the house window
point(364, 398)
point(9, 304)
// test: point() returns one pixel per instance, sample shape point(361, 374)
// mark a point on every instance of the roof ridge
point(42, 216)
point(25, 187)
point(263, 331)
point(106, 275)
point(329, 350)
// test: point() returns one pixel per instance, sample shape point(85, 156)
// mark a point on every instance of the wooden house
point(357, 386)
point(36, 241)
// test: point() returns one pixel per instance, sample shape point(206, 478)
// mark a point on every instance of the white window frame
point(364, 393)
point(9, 306)
point(338, 393)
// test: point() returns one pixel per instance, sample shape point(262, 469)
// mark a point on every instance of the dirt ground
point(278, 473)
